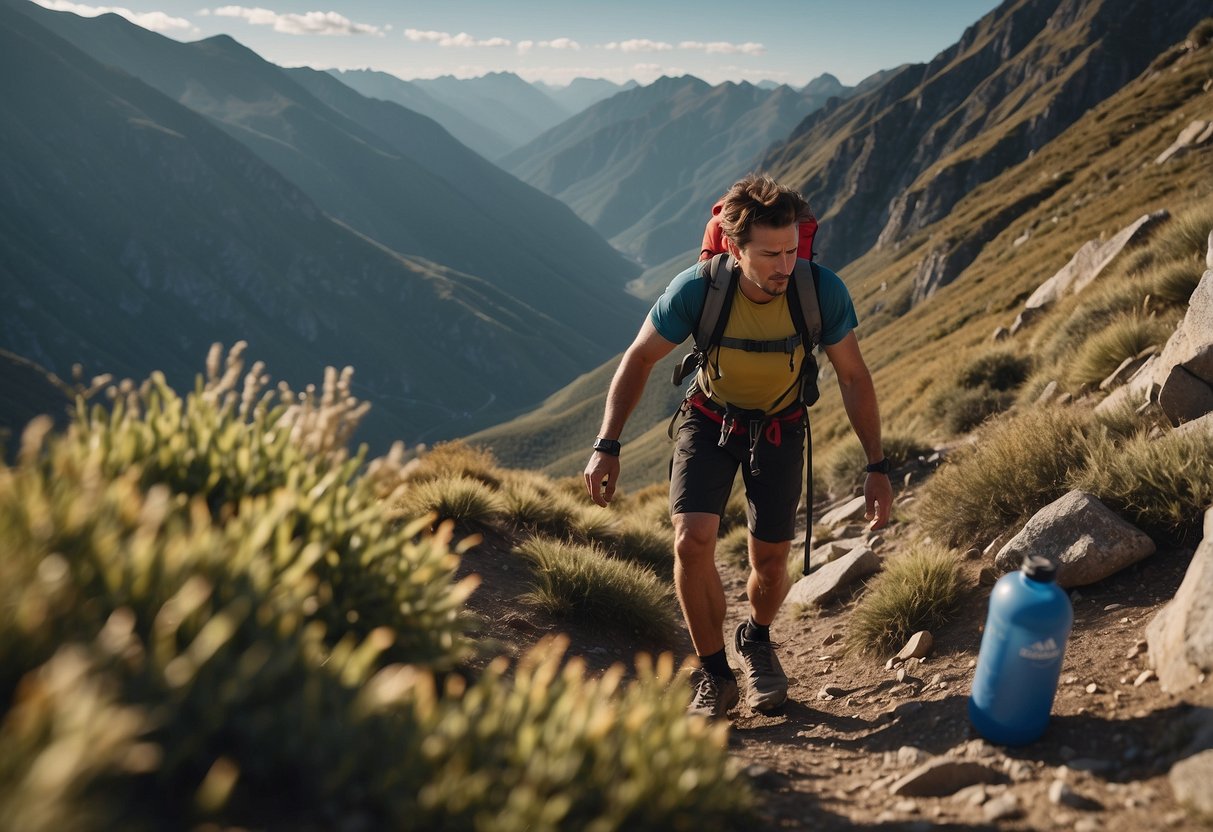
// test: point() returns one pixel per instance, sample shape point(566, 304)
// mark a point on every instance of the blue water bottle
point(1021, 652)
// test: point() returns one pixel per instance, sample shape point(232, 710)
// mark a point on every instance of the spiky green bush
point(582, 583)
point(1175, 282)
point(1017, 465)
point(918, 590)
point(646, 544)
point(1163, 485)
point(467, 502)
point(1121, 338)
point(215, 692)
point(530, 506)
point(997, 369)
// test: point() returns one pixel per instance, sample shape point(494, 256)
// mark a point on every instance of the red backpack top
point(713, 237)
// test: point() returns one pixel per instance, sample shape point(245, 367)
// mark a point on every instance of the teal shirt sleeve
point(837, 309)
point(677, 311)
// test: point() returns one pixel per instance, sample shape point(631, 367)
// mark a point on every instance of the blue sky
point(789, 41)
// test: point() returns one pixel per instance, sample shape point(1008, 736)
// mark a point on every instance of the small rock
point(762, 776)
point(987, 576)
point(1061, 794)
point(908, 756)
point(941, 777)
point(1087, 825)
point(1111, 607)
point(1003, 807)
point(892, 663)
point(1136, 650)
point(973, 554)
point(918, 646)
point(901, 674)
point(972, 795)
point(1020, 771)
point(1143, 677)
point(1092, 688)
point(830, 639)
point(1069, 680)
point(906, 807)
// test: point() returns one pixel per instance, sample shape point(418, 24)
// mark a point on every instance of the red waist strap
point(774, 422)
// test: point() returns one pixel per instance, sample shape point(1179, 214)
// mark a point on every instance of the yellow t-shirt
point(752, 380)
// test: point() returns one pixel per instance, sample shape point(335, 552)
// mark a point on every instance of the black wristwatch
point(881, 467)
point(611, 447)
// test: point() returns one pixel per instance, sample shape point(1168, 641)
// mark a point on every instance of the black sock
point(757, 632)
point(717, 664)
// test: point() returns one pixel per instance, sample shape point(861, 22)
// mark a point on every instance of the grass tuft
point(646, 544)
point(465, 501)
point(450, 459)
point(1123, 337)
point(1017, 465)
point(734, 547)
point(1163, 485)
point(916, 591)
point(582, 583)
point(842, 467)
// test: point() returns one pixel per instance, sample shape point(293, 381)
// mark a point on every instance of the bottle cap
point(1039, 568)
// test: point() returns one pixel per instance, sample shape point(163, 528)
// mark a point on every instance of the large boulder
point(1090, 261)
point(1082, 536)
point(1184, 370)
point(1181, 635)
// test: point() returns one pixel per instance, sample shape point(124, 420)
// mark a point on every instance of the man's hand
point(601, 475)
point(878, 492)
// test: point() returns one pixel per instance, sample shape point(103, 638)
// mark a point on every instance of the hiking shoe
point(766, 683)
point(714, 695)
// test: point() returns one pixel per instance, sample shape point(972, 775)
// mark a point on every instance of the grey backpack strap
point(719, 273)
point(807, 303)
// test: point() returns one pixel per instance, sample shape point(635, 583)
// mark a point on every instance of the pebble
point(908, 756)
point(1087, 825)
point(1143, 677)
point(973, 554)
point(1001, 808)
point(972, 795)
point(1092, 688)
point(908, 807)
point(1136, 650)
point(1111, 607)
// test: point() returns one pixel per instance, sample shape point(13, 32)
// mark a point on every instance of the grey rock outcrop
point(1184, 370)
point(1089, 261)
point(851, 510)
point(832, 579)
point(1181, 636)
point(1195, 134)
point(1082, 535)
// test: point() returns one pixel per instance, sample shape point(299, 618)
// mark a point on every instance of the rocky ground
point(868, 742)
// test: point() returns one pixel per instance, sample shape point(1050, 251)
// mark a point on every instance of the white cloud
point(640, 45)
point(525, 46)
point(308, 23)
point(720, 47)
point(156, 21)
point(462, 40)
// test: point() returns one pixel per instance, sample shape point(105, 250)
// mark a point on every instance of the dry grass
point(917, 590)
point(1121, 338)
point(582, 583)
point(468, 502)
point(447, 459)
point(842, 467)
point(1017, 465)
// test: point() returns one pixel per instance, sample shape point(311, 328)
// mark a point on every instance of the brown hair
point(759, 200)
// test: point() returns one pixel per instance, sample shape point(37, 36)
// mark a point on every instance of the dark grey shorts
point(702, 474)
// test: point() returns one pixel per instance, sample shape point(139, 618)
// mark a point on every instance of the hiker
point(744, 408)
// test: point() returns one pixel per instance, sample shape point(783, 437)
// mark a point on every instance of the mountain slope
point(581, 93)
point(1091, 180)
point(644, 166)
point(478, 136)
point(501, 101)
point(134, 233)
point(882, 165)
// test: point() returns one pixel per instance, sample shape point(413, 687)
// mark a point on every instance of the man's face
point(767, 261)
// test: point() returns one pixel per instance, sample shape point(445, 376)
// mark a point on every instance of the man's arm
point(859, 399)
point(602, 471)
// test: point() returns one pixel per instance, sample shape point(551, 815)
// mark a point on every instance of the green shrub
point(999, 369)
point(1123, 337)
point(582, 583)
point(645, 544)
point(961, 410)
point(594, 524)
point(530, 506)
point(1079, 318)
point(457, 459)
point(178, 661)
point(467, 502)
point(917, 590)
point(1015, 466)
point(1163, 485)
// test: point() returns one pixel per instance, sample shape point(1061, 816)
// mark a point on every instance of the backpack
point(719, 272)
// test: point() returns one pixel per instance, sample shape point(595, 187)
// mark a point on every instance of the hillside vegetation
point(207, 616)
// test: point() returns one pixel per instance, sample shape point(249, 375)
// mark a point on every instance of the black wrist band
point(881, 467)
point(608, 446)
